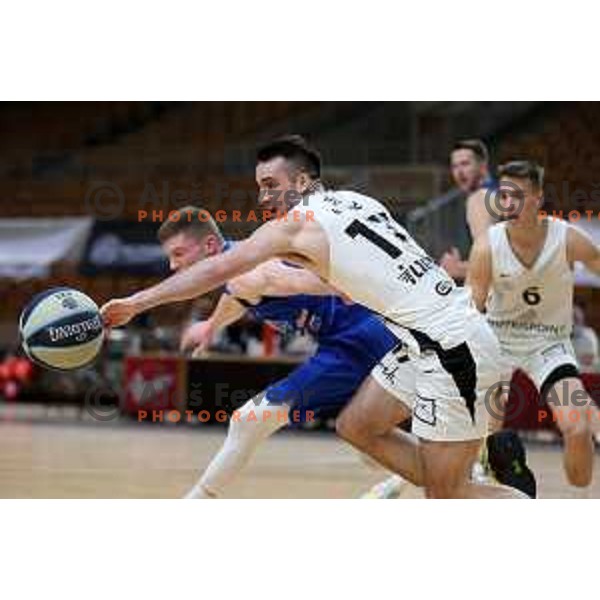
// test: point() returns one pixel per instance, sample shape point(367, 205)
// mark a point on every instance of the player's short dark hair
point(296, 150)
point(192, 220)
point(477, 147)
point(523, 169)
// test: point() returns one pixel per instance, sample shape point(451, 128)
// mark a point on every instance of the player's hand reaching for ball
point(197, 337)
point(118, 312)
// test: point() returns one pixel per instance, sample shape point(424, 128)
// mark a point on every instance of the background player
point(521, 271)
point(352, 241)
point(470, 171)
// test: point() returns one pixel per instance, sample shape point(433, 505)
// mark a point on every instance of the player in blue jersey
point(351, 341)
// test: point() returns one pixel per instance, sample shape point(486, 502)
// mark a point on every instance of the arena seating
point(566, 140)
point(192, 152)
point(182, 143)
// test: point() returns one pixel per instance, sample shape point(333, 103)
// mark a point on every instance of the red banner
point(154, 383)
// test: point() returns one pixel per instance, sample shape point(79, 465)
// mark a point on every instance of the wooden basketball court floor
point(80, 460)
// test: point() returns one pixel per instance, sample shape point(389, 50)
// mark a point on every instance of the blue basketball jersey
point(351, 341)
point(321, 316)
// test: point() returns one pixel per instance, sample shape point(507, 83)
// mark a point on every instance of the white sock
point(582, 493)
point(480, 475)
point(391, 488)
point(198, 492)
point(257, 421)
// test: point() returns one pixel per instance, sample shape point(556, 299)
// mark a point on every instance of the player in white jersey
point(352, 241)
point(469, 165)
point(521, 270)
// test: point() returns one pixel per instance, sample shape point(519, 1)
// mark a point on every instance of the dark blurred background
point(74, 176)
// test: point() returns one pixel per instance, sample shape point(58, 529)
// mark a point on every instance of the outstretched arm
point(268, 241)
point(199, 336)
point(272, 278)
point(227, 311)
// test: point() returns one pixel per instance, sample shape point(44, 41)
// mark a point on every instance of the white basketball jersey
point(376, 262)
point(530, 307)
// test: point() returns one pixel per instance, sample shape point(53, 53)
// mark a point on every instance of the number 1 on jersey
point(358, 228)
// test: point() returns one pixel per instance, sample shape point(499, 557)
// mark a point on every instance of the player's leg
point(574, 412)
point(326, 381)
point(450, 415)
point(447, 472)
point(370, 420)
point(248, 427)
point(446, 459)
point(515, 474)
point(369, 423)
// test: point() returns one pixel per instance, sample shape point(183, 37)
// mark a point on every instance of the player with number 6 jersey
point(528, 308)
point(521, 271)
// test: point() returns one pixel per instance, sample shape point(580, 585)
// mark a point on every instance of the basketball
point(61, 329)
